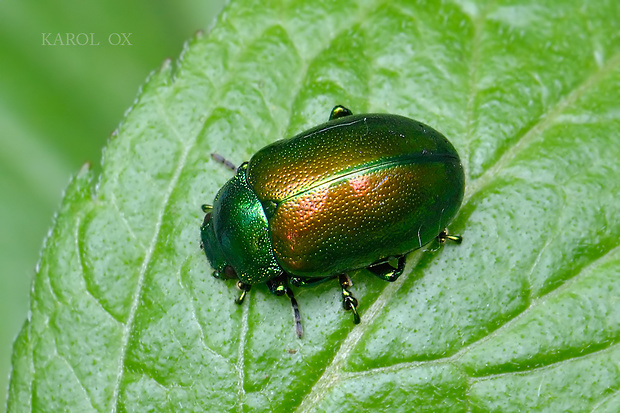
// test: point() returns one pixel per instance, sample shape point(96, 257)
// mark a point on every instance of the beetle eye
point(229, 272)
point(207, 219)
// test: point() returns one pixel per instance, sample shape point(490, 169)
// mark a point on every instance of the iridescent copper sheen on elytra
point(354, 191)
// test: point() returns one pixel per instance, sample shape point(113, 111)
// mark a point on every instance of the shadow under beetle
point(356, 192)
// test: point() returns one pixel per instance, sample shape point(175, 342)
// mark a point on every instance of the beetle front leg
point(244, 289)
point(348, 301)
point(386, 272)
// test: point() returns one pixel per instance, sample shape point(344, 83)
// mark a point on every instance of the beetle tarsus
point(339, 111)
point(386, 272)
point(244, 289)
point(240, 299)
point(298, 327)
point(349, 303)
point(444, 235)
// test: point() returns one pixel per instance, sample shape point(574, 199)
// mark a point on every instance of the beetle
point(359, 191)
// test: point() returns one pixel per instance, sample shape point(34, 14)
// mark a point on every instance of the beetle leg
point(443, 236)
point(339, 112)
point(219, 158)
point(386, 272)
point(348, 301)
point(244, 289)
point(279, 286)
point(298, 327)
point(308, 281)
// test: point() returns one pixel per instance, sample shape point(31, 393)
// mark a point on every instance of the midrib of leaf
point(149, 252)
point(471, 379)
point(333, 370)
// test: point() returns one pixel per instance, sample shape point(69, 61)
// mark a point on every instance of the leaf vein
point(612, 346)
point(610, 396)
point(539, 127)
point(147, 259)
point(78, 253)
point(478, 23)
point(125, 221)
point(243, 334)
point(73, 372)
point(195, 317)
point(584, 271)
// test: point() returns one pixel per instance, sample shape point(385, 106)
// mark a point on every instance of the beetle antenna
point(298, 327)
point(219, 158)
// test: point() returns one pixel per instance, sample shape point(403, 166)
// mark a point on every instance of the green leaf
point(58, 105)
point(523, 316)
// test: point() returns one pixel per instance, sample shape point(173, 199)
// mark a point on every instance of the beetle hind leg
point(386, 272)
point(349, 303)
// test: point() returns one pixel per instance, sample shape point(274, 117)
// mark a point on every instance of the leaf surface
point(523, 316)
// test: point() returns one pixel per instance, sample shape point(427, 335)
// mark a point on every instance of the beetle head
point(235, 234)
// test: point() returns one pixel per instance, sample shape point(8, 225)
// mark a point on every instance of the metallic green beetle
point(359, 191)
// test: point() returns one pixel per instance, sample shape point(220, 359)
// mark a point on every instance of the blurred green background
point(59, 103)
